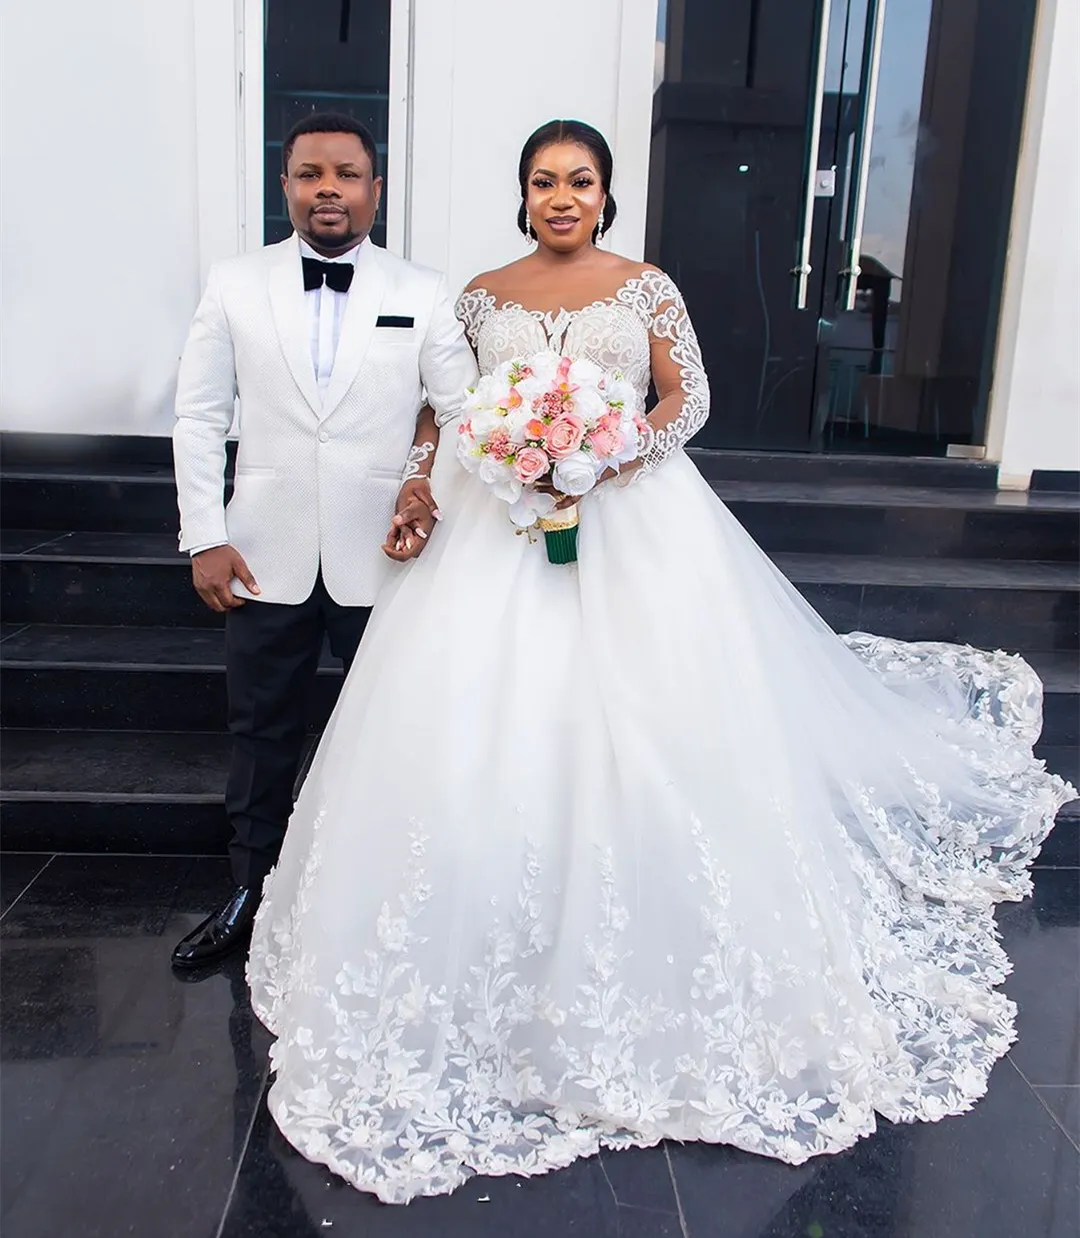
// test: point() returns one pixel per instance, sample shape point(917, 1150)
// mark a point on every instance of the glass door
point(831, 186)
point(322, 56)
point(917, 92)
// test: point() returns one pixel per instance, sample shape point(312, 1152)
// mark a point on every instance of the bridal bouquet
point(547, 421)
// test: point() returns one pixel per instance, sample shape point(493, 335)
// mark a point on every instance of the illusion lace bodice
point(616, 333)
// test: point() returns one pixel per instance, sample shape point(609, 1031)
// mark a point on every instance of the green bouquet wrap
point(560, 530)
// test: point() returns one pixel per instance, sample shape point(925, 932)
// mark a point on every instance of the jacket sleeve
point(205, 402)
point(447, 365)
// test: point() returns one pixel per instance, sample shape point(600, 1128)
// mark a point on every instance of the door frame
point(248, 20)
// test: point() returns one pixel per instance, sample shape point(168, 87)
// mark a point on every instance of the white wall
point(484, 75)
point(123, 177)
point(118, 188)
point(140, 167)
point(1035, 409)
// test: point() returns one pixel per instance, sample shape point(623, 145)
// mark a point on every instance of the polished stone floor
point(132, 1103)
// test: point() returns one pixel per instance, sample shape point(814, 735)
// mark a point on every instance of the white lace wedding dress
point(637, 849)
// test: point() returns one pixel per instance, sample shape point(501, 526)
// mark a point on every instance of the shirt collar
point(349, 256)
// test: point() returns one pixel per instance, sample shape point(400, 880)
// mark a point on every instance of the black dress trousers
point(271, 657)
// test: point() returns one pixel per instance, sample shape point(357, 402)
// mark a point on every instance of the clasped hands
point(414, 520)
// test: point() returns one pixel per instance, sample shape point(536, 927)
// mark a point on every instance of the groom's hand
point(213, 571)
point(413, 522)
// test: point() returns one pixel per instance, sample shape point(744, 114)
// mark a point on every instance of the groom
point(332, 346)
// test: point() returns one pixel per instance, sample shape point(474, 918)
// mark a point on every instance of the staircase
point(112, 683)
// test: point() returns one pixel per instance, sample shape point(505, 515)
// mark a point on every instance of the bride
point(637, 849)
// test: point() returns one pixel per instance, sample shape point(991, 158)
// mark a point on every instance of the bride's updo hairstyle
point(580, 134)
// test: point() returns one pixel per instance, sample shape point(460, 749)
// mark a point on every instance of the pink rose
point(531, 464)
point(499, 443)
point(607, 442)
point(565, 435)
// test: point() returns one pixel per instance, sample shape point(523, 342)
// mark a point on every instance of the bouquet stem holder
point(560, 529)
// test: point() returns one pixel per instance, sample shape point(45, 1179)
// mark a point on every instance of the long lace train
point(639, 850)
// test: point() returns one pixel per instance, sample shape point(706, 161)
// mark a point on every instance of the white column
point(1034, 420)
point(485, 74)
point(219, 188)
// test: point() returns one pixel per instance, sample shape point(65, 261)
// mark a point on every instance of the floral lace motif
point(418, 456)
point(614, 332)
point(416, 1086)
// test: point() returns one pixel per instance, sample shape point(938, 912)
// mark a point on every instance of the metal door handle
point(860, 164)
point(802, 269)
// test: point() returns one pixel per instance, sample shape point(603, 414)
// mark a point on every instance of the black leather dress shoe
point(220, 934)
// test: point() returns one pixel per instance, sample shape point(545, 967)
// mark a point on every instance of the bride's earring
point(530, 234)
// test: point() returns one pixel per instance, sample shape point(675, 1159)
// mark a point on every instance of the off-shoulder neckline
point(544, 315)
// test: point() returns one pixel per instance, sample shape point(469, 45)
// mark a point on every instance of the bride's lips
point(563, 223)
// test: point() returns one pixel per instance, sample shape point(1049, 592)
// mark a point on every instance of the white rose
point(489, 390)
point(467, 454)
point(490, 470)
point(516, 420)
point(585, 373)
point(589, 403)
point(544, 366)
point(529, 389)
point(484, 420)
point(575, 475)
point(500, 477)
point(618, 389)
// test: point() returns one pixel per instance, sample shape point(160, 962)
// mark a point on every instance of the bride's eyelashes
point(582, 182)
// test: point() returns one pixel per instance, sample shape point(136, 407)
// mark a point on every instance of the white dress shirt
point(326, 309)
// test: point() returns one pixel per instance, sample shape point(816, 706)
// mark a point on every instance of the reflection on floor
point(133, 1103)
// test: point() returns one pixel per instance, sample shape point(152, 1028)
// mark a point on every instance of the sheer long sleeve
point(473, 306)
point(677, 370)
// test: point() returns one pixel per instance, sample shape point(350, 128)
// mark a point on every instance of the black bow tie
point(338, 275)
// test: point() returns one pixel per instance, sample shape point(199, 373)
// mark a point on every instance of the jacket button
point(324, 437)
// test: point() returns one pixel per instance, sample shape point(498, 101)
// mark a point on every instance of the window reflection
point(323, 56)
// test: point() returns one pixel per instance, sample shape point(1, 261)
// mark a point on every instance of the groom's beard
point(332, 239)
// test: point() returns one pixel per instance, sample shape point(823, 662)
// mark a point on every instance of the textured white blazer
point(316, 477)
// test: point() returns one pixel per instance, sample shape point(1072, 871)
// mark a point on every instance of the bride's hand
point(568, 500)
point(413, 522)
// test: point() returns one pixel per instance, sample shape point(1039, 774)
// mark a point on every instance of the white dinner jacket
point(316, 477)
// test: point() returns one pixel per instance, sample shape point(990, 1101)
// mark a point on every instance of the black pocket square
point(394, 320)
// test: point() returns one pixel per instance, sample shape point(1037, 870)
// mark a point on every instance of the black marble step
point(98, 578)
point(992, 605)
point(128, 678)
point(173, 679)
point(779, 466)
point(908, 522)
point(86, 452)
point(141, 580)
point(26, 449)
point(161, 793)
point(114, 791)
point(1062, 848)
point(831, 517)
point(119, 791)
point(136, 502)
